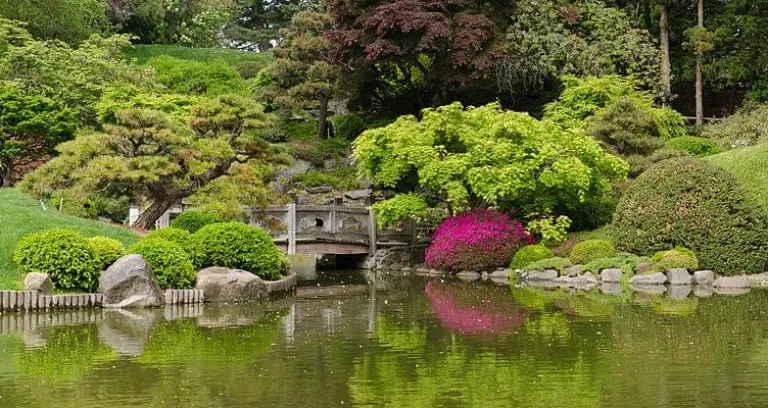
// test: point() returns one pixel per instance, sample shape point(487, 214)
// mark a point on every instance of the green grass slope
point(748, 165)
point(144, 53)
point(21, 215)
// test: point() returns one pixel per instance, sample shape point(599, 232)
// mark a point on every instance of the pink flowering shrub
point(476, 240)
point(474, 309)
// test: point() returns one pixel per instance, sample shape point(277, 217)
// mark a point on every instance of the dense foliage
point(695, 146)
point(476, 240)
point(690, 203)
point(240, 246)
point(587, 251)
point(170, 263)
point(192, 221)
point(65, 255)
point(624, 261)
point(748, 165)
point(487, 156)
point(530, 254)
point(107, 250)
point(400, 208)
point(747, 127)
point(675, 258)
point(184, 239)
point(557, 263)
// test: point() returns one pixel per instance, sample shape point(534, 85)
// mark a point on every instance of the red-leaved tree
point(429, 48)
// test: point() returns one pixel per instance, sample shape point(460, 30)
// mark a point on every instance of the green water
point(405, 342)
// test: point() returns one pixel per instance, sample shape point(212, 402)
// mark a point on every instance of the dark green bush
point(66, 256)
point(108, 250)
point(676, 258)
point(340, 178)
point(556, 263)
point(626, 128)
point(530, 254)
point(318, 152)
point(192, 221)
point(240, 246)
point(695, 146)
point(348, 126)
point(249, 69)
point(170, 263)
point(589, 250)
point(184, 239)
point(691, 203)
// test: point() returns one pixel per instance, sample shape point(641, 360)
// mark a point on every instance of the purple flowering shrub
point(476, 240)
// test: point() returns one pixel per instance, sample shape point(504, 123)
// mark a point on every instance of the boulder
point(129, 282)
point(358, 194)
point(731, 291)
point(468, 275)
point(502, 274)
point(679, 276)
point(547, 275)
point(38, 282)
point(319, 190)
point(758, 280)
point(611, 275)
point(230, 285)
point(657, 278)
point(731, 282)
point(703, 277)
point(572, 270)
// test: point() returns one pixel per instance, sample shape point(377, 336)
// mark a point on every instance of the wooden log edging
point(184, 296)
point(285, 284)
point(25, 301)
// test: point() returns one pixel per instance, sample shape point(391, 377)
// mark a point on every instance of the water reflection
point(398, 342)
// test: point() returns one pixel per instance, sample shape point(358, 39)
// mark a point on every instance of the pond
point(397, 342)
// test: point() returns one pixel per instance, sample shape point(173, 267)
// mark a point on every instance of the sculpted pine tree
point(157, 160)
point(302, 77)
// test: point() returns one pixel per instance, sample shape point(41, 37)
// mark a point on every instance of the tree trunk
point(666, 70)
point(7, 169)
point(322, 120)
point(156, 210)
point(699, 75)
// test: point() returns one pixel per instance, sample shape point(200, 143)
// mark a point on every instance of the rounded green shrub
point(696, 146)
point(691, 203)
point(676, 258)
point(184, 239)
point(529, 254)
point(556, 263)
point(625, 261)
point(170, 263)
point(249, 69)
point(348, 126)
point(192, 221)
point(66, 256)
point(240, 246)
point(108, 250)
point(589, 250)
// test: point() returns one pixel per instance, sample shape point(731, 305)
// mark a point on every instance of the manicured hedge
point(696, 146)
point(691, 203)
point(589, 250)
point(529, 254)
point(184, 239)
point(171, 265)
point(66, 256)
point(194, 220)
point(108, 250)
point(240, 246)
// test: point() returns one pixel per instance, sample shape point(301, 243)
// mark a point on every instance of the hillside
point(144, 53)
point(748, 164)
point(21, 215)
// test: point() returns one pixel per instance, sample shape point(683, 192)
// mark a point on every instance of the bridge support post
point(292, 229)
point(372, 230)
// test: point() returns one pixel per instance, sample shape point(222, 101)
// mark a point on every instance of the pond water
point(397, 342)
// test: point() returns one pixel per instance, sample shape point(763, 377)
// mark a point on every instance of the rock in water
point(703, 277)
point(679, 276)
point(657, 278)
point(39, 282)
point(731, 282)
point(611, 275)
point(230, 285)
point(129, 282)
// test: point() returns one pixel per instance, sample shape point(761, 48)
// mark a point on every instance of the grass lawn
point(604, 233)
point(748, 165)
point(144, 53)
point(21, 215)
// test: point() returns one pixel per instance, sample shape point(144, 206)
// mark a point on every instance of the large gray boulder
point(731, 282)
point(546, 275)
point(128, 283)
point(230, 285)
point(358, 194)
point(703, 277)
point(679, 276)
point(611, 275)
point(657, 278)
point(38, 282)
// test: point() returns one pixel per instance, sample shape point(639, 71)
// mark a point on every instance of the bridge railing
point(295, 224)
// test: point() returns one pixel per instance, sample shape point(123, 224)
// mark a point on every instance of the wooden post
point(372, 230)
point(292, 229)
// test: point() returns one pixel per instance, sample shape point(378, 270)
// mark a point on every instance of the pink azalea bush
point(473, 309)
point(476, 240)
